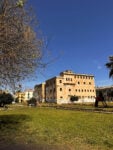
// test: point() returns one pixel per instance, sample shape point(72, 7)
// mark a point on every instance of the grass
point(73, 130)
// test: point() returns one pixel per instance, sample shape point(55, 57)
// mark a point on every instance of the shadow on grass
point(12, 126)
point(108, 106)
point(13, 131)
point(34, 147)
point(13, 119)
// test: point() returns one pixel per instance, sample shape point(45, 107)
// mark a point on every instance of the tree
point(20, 46)
point(109, 65)
point(32, 101)
point(5, 98)
point(73, 98)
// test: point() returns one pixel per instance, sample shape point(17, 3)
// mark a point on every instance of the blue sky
point(79, 35)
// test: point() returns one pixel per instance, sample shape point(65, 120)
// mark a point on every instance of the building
point(39, 92)
point(107, 92)
point(28, 94)
point(24, 96)
point(19, 96)
point(60, 89)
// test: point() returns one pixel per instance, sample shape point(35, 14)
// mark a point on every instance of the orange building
point(62, 88)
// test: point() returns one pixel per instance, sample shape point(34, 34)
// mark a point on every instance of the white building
point(28, 94)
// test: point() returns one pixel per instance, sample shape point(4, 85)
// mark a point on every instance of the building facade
point(107, 92)
point(19, 96)
point(39, 92)
point(28, 94)
point(24, 96)
point(61, 88)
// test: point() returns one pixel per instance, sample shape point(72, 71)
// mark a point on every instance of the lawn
point(73, 130)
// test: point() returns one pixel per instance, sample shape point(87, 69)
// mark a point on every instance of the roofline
point(84, 74)
point(104, 87)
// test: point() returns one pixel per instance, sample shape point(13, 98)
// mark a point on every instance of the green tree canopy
point(5, 98)
point(109, 65)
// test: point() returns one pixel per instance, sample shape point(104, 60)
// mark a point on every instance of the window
point(90, 83)
point(60, 89)
point(60, 81)
point(69, 89)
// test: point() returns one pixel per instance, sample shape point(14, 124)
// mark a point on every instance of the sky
point(79, 36)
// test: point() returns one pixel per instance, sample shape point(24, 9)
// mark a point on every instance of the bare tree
point(109, 65)
point(20, 46)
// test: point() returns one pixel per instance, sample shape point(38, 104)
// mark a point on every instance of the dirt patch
point(33, 147)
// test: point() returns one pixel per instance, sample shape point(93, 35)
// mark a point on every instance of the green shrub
point(32, 101)
point(5, 98)
point(74, 98)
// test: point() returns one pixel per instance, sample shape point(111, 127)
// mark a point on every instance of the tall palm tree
point(109, 65)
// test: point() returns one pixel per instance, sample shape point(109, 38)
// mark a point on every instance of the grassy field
point(73, 130)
